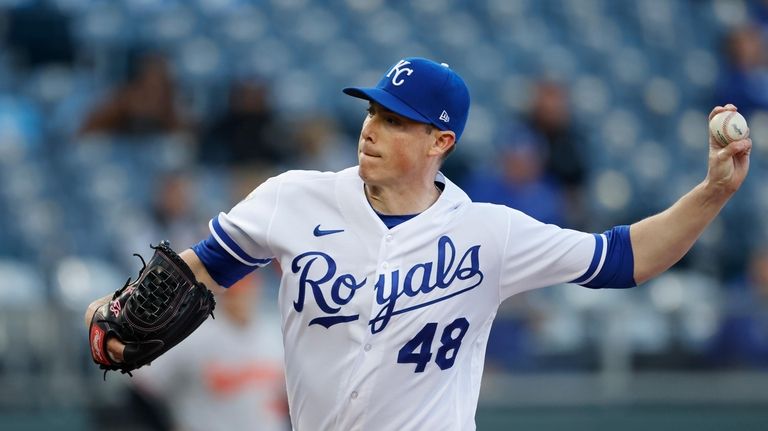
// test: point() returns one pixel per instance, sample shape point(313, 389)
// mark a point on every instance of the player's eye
point(391, 119)
point(370, 111)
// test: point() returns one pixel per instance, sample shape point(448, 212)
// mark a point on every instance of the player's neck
point(396, 201)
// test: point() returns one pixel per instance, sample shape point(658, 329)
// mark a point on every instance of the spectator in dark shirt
point(145, 104)
point(549, 118)
point(248, 132)
point(743, 80)
point(519, 180)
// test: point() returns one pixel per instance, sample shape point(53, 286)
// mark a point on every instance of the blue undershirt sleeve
point(222, 266)
point(618, 269)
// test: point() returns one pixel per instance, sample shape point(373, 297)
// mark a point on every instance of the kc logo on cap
point(398, 69)
point(422, 90)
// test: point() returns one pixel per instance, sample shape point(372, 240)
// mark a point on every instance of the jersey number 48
point(419, 349)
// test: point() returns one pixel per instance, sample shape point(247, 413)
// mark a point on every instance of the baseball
point(728, 126)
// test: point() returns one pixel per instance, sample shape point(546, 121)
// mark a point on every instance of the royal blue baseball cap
point(423, 91)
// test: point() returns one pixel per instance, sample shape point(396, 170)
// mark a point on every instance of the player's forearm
point(658, 242)
point(201, 273)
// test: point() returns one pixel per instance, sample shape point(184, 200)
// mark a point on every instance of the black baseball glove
point(152, 314)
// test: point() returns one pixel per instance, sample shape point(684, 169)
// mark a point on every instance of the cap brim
point(388, 101)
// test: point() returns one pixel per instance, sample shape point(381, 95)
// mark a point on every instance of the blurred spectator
point(743, 337)
point(144, 104)
point(743, 80)
point(518, 180)
point(511, 340)
point(247, 133)
point(171, 215)
point(321, 146)
point(228, 375)
point(758, 11)
point(549, 117)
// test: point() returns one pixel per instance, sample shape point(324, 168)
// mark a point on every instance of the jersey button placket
point(388, 238)
point(371, 359)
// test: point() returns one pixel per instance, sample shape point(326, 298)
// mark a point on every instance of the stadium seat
point(25, 327)
point(79, 280)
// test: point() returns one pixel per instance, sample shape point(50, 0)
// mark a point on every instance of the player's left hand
point(147, 317)
point(728, 166)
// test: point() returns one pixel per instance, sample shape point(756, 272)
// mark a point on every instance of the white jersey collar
point(350, 196)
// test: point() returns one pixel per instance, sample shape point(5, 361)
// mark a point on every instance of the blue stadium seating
point(640, 74)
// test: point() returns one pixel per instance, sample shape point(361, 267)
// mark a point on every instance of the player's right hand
point(728, 166)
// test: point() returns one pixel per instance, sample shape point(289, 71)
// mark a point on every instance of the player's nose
point(367, 132)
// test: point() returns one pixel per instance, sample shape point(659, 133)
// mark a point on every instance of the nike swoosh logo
point(324, 232)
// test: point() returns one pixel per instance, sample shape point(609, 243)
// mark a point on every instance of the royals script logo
point(449, 275)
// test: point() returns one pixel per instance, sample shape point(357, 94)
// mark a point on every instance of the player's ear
point(444, 141)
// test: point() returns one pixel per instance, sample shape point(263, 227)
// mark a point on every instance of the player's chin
point(368, 167)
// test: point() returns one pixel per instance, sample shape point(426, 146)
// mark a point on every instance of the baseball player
point(392, 276)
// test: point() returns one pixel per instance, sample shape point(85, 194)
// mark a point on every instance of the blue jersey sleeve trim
point(618, 270)
point(222, 266)
point(597, 259)
point(230, 245)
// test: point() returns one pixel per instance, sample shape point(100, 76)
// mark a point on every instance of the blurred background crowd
point(126, 122)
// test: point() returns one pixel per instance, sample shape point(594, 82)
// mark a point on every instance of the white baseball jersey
point(386, 329)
